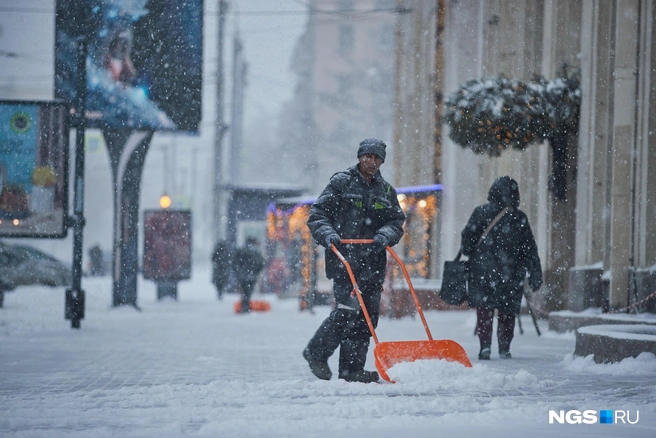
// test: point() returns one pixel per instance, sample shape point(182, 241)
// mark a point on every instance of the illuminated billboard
point(144, 63)
point(33, 168)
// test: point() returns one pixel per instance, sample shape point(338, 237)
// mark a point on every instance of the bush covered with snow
point(492, 114)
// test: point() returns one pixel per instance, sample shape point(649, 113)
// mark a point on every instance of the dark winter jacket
point(498, 266)
point(247, 264)
point(354, 209)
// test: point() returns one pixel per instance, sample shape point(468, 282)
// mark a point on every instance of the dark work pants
point(346, 326)
point(246, 287)
point(505, 328)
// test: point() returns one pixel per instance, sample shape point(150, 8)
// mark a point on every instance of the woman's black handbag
point(454, 281)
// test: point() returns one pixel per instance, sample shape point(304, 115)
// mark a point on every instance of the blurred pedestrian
point(220, 266)
point(96, 261)
point(498, 263)
point(357, 204)
point(248, 262)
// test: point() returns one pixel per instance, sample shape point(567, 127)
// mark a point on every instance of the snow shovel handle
point(355, 285)
point(357, 290)
point(412, 291)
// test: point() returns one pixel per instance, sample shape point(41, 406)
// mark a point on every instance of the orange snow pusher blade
point(256, 306)
point(388, 354)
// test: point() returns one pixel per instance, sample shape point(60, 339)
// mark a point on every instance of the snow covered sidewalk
point(194, 368)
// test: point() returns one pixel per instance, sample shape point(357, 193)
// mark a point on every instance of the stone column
point(645, 222)
point(464, 184)
point(561, 44)
point(623, 130)
point(594, 143)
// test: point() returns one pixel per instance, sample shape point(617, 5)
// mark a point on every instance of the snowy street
point(194, 368)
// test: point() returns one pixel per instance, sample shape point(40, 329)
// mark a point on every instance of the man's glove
point(332, 239)
point(380, 243)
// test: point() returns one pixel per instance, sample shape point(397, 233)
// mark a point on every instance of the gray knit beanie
point(372, 146)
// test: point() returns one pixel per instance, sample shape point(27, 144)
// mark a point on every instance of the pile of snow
point(442, 375)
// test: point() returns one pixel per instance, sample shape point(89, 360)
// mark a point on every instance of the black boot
point(504, 350)
point(505, 331)
point(362, 376)
point(319, 368)
point(352, 355)
point(484, 354)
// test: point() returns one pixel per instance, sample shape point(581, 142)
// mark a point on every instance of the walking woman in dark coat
point(499, 263)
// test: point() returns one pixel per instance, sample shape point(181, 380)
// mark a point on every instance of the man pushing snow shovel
point(356, 204)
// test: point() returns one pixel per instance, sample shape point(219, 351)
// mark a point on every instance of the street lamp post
point(74, 308)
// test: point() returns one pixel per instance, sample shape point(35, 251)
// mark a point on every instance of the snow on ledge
point(594, 266)
point(637, 332)
point(647, 318)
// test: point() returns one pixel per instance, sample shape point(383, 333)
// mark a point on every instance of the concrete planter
point(613, 343)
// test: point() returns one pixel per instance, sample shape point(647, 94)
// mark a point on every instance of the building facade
point(345, 67)
point(600, 235)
